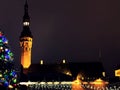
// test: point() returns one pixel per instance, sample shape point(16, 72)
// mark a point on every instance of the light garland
point(8, 76)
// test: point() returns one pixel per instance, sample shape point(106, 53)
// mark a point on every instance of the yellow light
point(99, 82)
point(49, 82)
point(42, 82)
point(77, 85)
point(64, 61)
point(26, 23)
point(103, 73)
point(1, 47)
point(0, 75)
point(82, 78)
point(10, 86)
point(41, 62)
point(117, 73)
point(64, 82)
point(56, 82)
point(85, 82)
point(68, 73)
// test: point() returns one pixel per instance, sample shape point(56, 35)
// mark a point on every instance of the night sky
point(74, 30)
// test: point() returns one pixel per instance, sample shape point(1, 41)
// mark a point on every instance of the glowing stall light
point(85, 82)
point(66, 82)
point(28, 83)
point(37, 86)
point(24, 83)
point(56, 83)
point(49, 83)
point(42, 82)
point(100, 81)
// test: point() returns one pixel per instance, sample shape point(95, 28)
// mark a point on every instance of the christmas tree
point(8, 76)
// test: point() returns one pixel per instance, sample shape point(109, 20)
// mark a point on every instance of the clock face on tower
point(26, 23)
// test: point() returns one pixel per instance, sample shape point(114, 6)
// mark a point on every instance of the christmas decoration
point(8, 76)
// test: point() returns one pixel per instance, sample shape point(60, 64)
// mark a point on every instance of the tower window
point(26, 23)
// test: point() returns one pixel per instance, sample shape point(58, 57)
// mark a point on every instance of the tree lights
point(8, 76)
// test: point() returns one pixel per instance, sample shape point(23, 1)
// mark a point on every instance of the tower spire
point(26, 17)
point(25, 1)
point(26, 22)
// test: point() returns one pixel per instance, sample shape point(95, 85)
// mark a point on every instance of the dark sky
point(74, 30)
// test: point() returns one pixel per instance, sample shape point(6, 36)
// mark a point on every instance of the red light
point(0, 33)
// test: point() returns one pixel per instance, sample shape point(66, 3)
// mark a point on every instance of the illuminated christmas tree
point(8, 76)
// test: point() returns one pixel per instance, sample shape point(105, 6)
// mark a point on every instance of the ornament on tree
point(8, 76)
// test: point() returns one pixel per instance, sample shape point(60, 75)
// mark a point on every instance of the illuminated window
point(103, 73)
point(64, 61)
point(41, 62)
point(26, 23)
point(117, 73)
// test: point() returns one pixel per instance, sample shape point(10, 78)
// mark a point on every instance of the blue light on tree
point(8, 75)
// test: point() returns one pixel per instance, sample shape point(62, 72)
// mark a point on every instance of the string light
point(8, 76)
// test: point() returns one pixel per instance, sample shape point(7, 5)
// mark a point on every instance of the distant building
point(57, 72)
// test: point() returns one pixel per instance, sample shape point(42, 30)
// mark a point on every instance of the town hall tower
point(26, 40)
